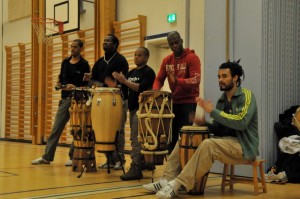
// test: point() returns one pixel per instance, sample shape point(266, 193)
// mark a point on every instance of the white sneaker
point(69, 163)
point(40, 161)
point(118, 166)
point(156, 186)
point(281, 179)
point(277, 178)
point(104, 166)
point(270, 176)
point(167, 192)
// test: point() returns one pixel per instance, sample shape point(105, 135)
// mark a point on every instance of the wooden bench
point(255, 180)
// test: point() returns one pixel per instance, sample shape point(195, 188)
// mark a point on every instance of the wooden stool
point(233, 179)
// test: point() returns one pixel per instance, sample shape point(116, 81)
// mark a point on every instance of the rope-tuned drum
point(155, 124)
point(81, 129)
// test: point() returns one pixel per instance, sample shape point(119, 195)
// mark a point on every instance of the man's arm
point(63, 71)
point(240, 120)
point(120, 77)
point(125, 67)
point(194, 70)
point(86, 70)
point(161, 76)
point(145, 84)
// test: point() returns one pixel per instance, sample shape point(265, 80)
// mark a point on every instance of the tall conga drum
point(191, 138)
point(155, 115)
point(106, 117)
point(81, 129)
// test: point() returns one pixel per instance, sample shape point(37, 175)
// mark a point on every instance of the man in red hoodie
point(182, 69)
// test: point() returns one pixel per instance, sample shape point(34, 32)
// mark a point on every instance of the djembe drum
point(106, 117)
point(191, 138)
point(154, 123)
point(81, 129)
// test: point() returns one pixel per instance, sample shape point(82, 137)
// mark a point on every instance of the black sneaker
point(134, 173)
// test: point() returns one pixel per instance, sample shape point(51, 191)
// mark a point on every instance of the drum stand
point(110, 154)
point(154, 153)
point(86, 161)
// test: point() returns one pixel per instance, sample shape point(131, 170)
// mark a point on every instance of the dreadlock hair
point(235, 69)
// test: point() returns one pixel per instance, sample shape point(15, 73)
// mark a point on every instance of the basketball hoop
point(46, 28)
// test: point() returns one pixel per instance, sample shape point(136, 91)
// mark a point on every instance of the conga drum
point(191, 138)
point(296, 119)
point(155, 124)
point(106, 117)
point(81, 129)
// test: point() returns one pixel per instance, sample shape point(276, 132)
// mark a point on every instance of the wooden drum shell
point(83, 135)
point(155, 115)
point(191, 138)
point(106, 117)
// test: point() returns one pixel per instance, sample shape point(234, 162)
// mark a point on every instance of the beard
point(226, 87)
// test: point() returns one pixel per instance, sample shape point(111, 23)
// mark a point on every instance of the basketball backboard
point(66, 11)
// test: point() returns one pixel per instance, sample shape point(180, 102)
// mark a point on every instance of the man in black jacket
point(71, 76)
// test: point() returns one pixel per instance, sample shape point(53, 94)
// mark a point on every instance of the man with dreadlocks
point(101, 76)
point(235, 137)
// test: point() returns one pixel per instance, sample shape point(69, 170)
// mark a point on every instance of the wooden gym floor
point(20, 179)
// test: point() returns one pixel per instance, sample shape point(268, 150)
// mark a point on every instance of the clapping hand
point(69, 87)
point(87, 76)
point(110, 82)
point(207, 105)
point(119, 76)
point(172, 76)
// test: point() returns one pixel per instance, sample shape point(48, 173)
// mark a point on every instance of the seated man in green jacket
point(235, 140)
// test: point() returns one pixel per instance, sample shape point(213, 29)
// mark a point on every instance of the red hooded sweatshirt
point(187, 70)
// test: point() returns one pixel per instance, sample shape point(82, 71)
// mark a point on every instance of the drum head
point(105, 89)
point(154, 92)
point(194, 128)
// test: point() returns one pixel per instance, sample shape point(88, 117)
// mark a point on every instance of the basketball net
point(46, 28)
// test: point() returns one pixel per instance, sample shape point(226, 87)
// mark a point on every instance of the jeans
point(135, 145)
point(61, 118)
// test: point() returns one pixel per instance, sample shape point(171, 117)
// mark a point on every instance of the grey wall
point(280, 66)
point(245, 43)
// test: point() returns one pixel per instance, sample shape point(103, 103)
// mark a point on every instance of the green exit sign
point(172, 18)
